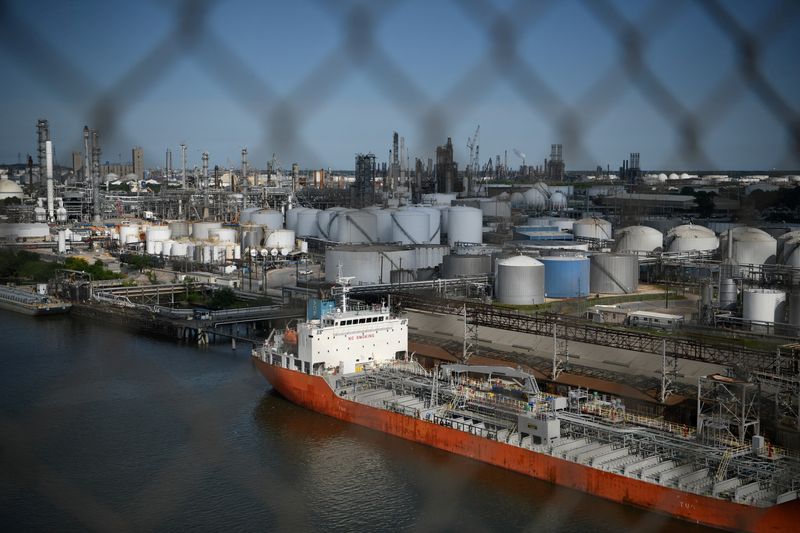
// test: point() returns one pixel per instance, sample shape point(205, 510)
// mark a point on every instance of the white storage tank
point(158, 247)
point(455, 266)
point(244, 216)
point(280, 238)
point(750, 246)
point(410, 226)
point(307, 223)
point(178, 249)
point(438, 198)
point(266, 217)
point(434, 223)
point(383, 224)
point(519, 281)
point(166, 248)
point(291, 217)
point(200, 229)
point(180, 228)
point(493, 207)
point(691, 238)
point(535, 199)
point(464, 224)
point(336, 218)
point(558, 201)
point(638, 240)
point(357, 227)
point(764, 305)
point(613, 273)
point(252, 236)
point(429, 255)
point(222, 235)
point(368, 264)
point(157, 233)
point(129, 233)
point(592, 228)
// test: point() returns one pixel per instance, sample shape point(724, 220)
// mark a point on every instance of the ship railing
point(465, 427)
point(619, 415)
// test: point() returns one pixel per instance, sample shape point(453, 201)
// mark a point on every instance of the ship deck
point(593, 432)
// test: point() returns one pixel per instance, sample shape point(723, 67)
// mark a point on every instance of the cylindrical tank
point(520, 281)
point(438, 198)
point(691, 238)
point(384, 223)
point(129, 233)
point(291, 217)
point(267, 217)
point(222, 235)
point(782, 241)
point(166, 248)
point(280, 238)
point(247, 212)
point(454, 266)
point(750, 246)
point(464, 224)
point(563, 224)
point(535, 198)
point(200, 229)
point(764, 305)
point(728, 294)
point(158, 247)
point(208, 253)
point(410, 226)
point(566, 276)
point(178, 249)
point(155, 235)
point(307, 223)
point(794, 311)
point(592, 228)
point(638, 240)
point(358, 227)
point(368, 264)
point(558, 201)
point(434, 223)
point(337, 216)
point(252, 236)
point(614, 273)
point(790, 256)
point(493, 207)
point(518, 200)
point(180, 228)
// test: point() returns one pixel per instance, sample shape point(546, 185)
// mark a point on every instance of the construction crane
point(474, 166)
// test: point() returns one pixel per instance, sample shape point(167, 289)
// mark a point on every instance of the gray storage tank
point(455, 266)
point(613, 273)
point(520, 281)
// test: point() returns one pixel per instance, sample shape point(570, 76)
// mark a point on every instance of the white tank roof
point(519, 260)
point(746, 233)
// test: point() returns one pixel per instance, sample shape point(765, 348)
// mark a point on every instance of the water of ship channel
point(104, 429)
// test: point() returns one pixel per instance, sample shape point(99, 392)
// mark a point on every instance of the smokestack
point(87, 165)
point(48, 149)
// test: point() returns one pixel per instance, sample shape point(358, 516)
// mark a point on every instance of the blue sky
point(280, 77)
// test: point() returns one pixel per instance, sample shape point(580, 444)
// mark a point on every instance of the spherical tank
point(535, 199)
point(454, 266)
point(566, 276)
point(358, 227)
point(280, 238)
point(267, 217)
point(180, 228)
point(691, 238)
point(614, 273)
point(369, 265)
point(520, 281)
point(518, 200)
point(790, 256)
point(638, 240)
point(200, 229)
point(558, 201)
point(410, 226)
point(291, 217)
point(592, 228)
point(493, 207)
point(307, 223)
point(764, 305)
point(749, 246)
point(222, 235)
point(464, 224)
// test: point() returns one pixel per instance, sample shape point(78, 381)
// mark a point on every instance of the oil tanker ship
point(353, 364)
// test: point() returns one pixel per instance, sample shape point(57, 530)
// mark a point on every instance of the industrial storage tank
point(368, 264)
point(430, 255)
point(180, 228)
point(782, 242)
point(129, 233)
point(438, 198)
point(336, 217)
point(244, 216)
point(558, 201)
point(493, 207)
point(750, 246)
point(764, 305)
point(519, 281)
point(455, 266)
point(307, 223)
point(614, 273)
point(728, 294)
point(638, 240)
point(166, 248)
point(552, 246)
point(252, 236)
point(566, 276)
point(280, 239)
point(410, 226)
point(291, 217)
point(518, 200)
point(790, 256)
point(200, 229)
point(794, 312)
point(592, 228)
point(222, 235)
point(464, 224)
point(157, 233)
point(535, 199)
point(383, 224)
point(357, 227)
point(267, 217)
point(434, 223)
point(691, 238)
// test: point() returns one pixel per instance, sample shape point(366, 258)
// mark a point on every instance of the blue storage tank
point(316, 308)
point(565, 276)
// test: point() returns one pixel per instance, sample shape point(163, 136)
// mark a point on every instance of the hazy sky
point(318, 81)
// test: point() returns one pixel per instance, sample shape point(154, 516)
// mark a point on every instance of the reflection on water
point(104, 429)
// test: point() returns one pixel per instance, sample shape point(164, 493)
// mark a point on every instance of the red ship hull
point(314, 393)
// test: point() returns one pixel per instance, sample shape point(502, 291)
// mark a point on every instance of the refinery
point(616, 332)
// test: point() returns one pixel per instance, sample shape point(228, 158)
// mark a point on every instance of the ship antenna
point(344, 283)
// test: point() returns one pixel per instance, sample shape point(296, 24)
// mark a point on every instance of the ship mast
point(344, 283)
